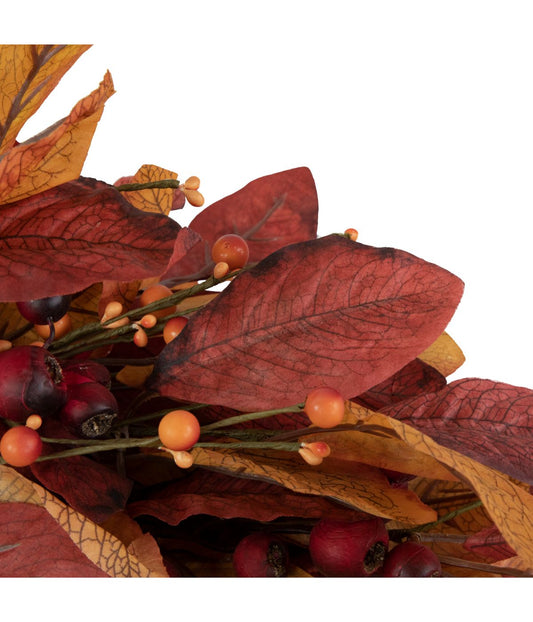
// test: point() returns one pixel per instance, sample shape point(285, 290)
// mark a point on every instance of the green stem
point(252, 445)
point(250, 417)
point(96, 446)
point(162, 183)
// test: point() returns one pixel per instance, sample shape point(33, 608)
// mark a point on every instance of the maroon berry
point(41, 310)
point(260, 555)
point(31, 382)
point(348, 549)
point(77, 371)
point(411, 559)
point(90, 410)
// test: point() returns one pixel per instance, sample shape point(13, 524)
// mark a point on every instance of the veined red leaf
point(270, 212)
point(491, 422)
point(217, 494)
point(489, 544)
point(327, 312)
point(77, 234)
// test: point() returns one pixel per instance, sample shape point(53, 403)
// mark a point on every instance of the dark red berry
point(260, 555)
point(41, 310)
point(78, 371)
point(411, 559)
point(348, 549)
point(31, 382)
point(90, 410)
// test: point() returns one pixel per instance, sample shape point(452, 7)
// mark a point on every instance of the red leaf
point(283, 421)
point(324, 312)
point(270, 213)
point(88, 487)
point(414, 379)
point(77, 234)
point(217, 494)
point(488, 421)
point(489, 544)
point(41, 548)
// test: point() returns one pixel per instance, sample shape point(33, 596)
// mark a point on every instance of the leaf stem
point(148, 185)
point(250, 417)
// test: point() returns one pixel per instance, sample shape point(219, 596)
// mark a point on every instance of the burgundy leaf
point(413, 379)
point(270, 213)
point(488, 421)
point(77, 234)
point(88, 487)
point(489, 544)
point(36, 546)
point(217, 494)
point(324, 312)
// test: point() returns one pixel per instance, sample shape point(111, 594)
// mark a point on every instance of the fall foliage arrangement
point(237, 397)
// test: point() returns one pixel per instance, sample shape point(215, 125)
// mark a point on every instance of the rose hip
point(260, 555)
point(411, 559)
point(90, 410)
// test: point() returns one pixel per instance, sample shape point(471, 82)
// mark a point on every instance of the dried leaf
point(100, 547)
point(155, 200)
point(489, 421)
point(489, 544)
point(359, 486)
point(28, 74)
point(77, 234)
point(508, 504)
point(444, 355)
point(270, 212)
point(55, 156)
point(324, 312)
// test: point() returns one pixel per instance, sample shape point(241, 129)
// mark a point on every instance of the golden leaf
point(157, 200)
point(444, 355)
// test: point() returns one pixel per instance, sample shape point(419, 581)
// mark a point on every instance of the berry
point(40, 310)
point(20, 446)
point(140, 338)
point(220, 270)
point(324, 407)
point(231, 249)
point(78, 371)
point(31, 382)
point(61, 328)
point(173, 328)
point(90, 410)
point(113, 309)
point(348, 549)
point(260, 555)
point(155, 293)
point(411, 559)
point(34, 422)
point(179, 430)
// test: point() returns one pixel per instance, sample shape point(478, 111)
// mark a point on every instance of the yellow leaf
point(355, 484)
point(444, 355)
point(157, 200)
point(28, 74)
point(98, 545)
point(57, 155)
point(507, 503)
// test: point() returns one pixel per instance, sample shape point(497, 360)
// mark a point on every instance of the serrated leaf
point(324, 312)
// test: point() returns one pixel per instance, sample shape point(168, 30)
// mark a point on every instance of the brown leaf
point(156, 200)
point(57, 155)
point(28, 74)
point(444, 355)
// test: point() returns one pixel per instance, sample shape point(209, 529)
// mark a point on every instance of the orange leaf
point(354, 484)
point(444, 355)
point(99, 546)
point(507, 503)
point(382, 452)
point(157, 200)
point(57, 155)
point(28, 74)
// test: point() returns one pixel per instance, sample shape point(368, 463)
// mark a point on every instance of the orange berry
point(5, 345)
point(309, 456)
point(179, 430)
point(353, 234)
point(192, 183)
point(319, 448)
point(34, 422)
point(173, 328)
point(183, 459)
point(148, 321)
point(153, 294)
point(140, 339)
point(195, 198)
point(61, 327)
point(324, 407)
point(114, 309)
point(220, 270)
point(231, 249)
point(20, 446)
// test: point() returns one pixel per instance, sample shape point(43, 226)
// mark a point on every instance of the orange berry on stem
point(179, 430)
point(353, 234)
point(148, 321)
point(155, 293)
point(232, 249)
point(192, 183)
point(173, 328)
point(318, 448)
point(34, 422)
point(309, 456)
point(140, 339)
point(20, 446)
point(61, 327)
point(324, 407)
point(220, 270)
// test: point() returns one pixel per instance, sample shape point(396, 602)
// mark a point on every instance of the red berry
point(260, 555)
point(324, 407)
point(31, 382)
point(90, 410)
point(40, 310)
point(411, 559)
point(20, 446)
point(86, 370)
point(348, 549)
point(231, 249)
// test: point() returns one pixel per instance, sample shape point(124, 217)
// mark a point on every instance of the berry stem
point(250, 417)
point(251, 445)
point(162, 183)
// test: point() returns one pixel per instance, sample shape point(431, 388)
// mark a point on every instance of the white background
point(415, 119)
